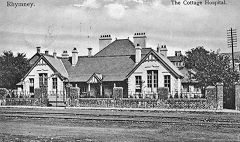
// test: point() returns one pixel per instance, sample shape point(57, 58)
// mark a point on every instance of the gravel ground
point(29, 129)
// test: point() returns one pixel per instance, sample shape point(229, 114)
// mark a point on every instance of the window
point(155, 79)
point(138, 84)
point(84, 88)
point(152, 78)
point(54, 83)
point(43, 80)
point(167, 82)
point(31, 85)
point(149, 79)
point(138, 80)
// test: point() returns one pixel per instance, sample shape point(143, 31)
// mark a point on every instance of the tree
point(211, 67)
point(12, 69)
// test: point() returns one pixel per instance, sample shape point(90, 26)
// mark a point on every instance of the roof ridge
point(64, 67)
point(109, 45)
point(50, 55)
point(110, 56)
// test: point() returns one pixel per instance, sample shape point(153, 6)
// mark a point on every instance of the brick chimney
point(104, 41)
point(138, 53)
point(178, 53)
point(74, 56)
point(158, 49)
point(89, 52)
point(55, 54)
point(140, 38)
point(163, 50)
point(65, 54)
point(38, 49)
point(46, 52)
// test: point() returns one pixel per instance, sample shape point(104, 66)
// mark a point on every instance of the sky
point(57, 25)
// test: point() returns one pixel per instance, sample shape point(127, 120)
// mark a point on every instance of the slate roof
point(113, 68)
point(57, 64)
point(114, 63)
point(120, 47)
point(175, 58)
point(169, 63)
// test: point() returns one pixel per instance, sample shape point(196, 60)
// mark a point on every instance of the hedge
point(74, 93)
point(162, 93)
point(37, 93)
point(117, 92)
point(3, 93)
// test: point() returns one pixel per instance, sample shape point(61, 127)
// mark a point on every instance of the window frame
point(31, 85)
point(138, 80)
point(149, 79)
point(54, 83)
point(152, 78)
point(167, 82)
point(43, 80)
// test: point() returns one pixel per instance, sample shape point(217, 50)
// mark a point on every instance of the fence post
point(237, 95)
point(211, 96)
point(219, 95)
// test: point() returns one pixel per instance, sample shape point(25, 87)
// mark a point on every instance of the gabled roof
point(113, 68)
point(34, 58)
point(120, 47)
point(54, 63)
point(96, 76)
point(115, 62)
point(164, 61)
point(57, 64)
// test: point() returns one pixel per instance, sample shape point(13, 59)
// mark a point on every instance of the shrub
point(37, 93)
point(3, 93)
point(117, 92)
point(74, 92)
point(41, 93)
point(162, 93)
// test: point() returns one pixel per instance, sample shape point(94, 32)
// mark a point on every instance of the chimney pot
point(55, 54)
point(140, 38)
point(138, 53)
point(38, 49)
point(178, 53)
point(74, 56)
point(104, 41)
point(46, 52)
point(65, 54)
point(158, 49)
point(89, 52)
point(163, 50)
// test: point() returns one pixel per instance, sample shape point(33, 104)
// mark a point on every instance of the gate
point(57, 98)
point(229, 97)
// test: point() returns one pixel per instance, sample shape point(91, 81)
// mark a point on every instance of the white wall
point(35, 74)
point(142, 71)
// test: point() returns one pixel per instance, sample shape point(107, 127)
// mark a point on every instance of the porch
point(99, 89)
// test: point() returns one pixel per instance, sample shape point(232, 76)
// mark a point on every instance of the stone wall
point(213, 100)
point(237, 96)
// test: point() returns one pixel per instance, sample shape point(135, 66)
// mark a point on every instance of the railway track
point(193, 120)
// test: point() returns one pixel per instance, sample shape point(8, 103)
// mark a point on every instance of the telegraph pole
point(232, 41)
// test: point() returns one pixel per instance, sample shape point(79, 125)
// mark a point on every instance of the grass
point(50, 129)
